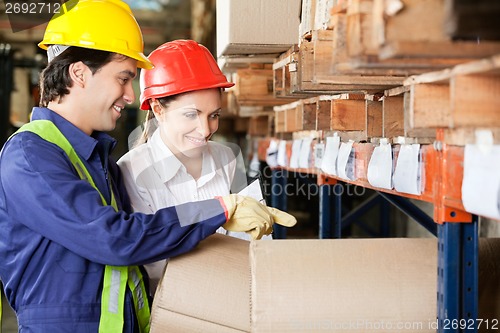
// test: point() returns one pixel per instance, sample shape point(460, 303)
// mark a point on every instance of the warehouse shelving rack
point(451, 127)
point(364, 47)
point(456, 230)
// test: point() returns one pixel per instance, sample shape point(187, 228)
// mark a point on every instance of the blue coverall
point(56, 236)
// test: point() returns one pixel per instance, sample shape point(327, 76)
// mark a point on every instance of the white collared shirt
point(155, 178)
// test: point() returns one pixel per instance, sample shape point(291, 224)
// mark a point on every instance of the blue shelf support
point(325, 212)
point(385, 210)
point(279, 179)
point(337, 205)
point(412, 211)
point(457, 294)
point(330, 205)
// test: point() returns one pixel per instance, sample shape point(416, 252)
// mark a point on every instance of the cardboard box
point(230, 285)
point(256, 26)
point(205, 290)
point(346, 285)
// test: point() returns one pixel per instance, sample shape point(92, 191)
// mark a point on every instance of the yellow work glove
point(246, 214)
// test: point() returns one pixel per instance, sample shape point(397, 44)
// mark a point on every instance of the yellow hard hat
point(106, 25)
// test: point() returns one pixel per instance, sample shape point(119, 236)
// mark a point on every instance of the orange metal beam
point(442, 177)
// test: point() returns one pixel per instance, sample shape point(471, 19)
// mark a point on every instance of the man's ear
point(77, 73)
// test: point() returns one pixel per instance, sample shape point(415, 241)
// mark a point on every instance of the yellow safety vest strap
point(136, 285)
point(116, 278)
point(112, 303)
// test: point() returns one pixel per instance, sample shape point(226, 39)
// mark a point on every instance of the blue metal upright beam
point(338, 190)
point(457, 296)
point(330, 197)
point(325, 212)
point(448, 288)
point(279, 179)
point(385, 210)
point(470, 263)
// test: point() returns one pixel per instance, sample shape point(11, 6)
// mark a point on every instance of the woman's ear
point(155, 107)
point(77, 73)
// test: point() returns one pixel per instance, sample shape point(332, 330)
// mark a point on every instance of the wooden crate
point(416, 29)
point(372, 38)
point(254, 87)
point(279, 121)
point(260, 125)
point(397, 119)
point(459, 99)
point(359, 113)
point(309, 113)
point(466, 95)
point(284, 75)
point(288, 117)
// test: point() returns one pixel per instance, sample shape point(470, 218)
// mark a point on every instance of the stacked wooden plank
point(353, 116)
point(461, 100)
point(387, 47)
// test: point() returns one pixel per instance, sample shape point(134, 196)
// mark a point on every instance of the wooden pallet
point(398, 37)
point(460, 99)
point(356, 116)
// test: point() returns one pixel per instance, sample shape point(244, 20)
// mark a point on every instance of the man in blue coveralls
point(71, 249)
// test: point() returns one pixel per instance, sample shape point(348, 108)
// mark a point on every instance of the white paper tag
point(379, 172)
point(305, 153)
point(282, 158)
point(346, 161)
point(294, 158)
point(481, 181)
point(329, 162)
point(319, 151)
point(272, 154)
point(407, 172)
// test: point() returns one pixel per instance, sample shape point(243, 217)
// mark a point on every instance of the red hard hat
point(180, 66)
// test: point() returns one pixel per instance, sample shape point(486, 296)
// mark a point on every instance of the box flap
point(211, 283)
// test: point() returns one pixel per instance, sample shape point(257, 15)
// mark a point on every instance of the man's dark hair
point(55, 79)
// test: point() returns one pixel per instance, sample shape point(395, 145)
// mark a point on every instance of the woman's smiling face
point(188, 122)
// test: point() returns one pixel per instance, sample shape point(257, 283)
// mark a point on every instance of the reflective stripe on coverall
point(116, 278)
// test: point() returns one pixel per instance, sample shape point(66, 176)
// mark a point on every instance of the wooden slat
point(416, 20)
point(462, 136)
point(323, 55)
point(323, 115)
point(374, 119)
point(348, 115)
point(259, 126)
point(255, 87)
point(452, 52)
point(282, 78)
point(429, 106)
point(463, 96)
point(359, 33)
point(477, 106)
point(393, 116)
point(309, 113)
point(360, 36)
point(291, 120)
point(279, 121)
point(422, 134)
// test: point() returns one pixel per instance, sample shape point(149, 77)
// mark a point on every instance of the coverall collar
point(83, 144)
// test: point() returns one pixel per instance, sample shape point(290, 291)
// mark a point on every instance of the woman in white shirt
point(178, 163)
